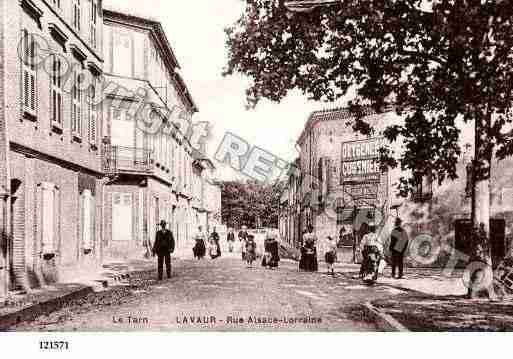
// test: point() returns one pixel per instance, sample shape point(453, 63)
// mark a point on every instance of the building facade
point(340, 187)
point(51, 61)
point(147, 155)
point(95, 121)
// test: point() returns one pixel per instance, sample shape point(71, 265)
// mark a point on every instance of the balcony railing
point(127, 159)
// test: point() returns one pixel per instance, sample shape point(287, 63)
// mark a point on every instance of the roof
point(168, 55)
point(147, 21)
point(185, 91)
point(337, 113)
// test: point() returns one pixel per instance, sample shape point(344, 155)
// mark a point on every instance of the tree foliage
point(243, 202)
point(434, 61)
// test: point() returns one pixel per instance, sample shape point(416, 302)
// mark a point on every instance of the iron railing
point(127, 159)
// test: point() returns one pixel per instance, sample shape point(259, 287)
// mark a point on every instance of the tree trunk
point(481, 281)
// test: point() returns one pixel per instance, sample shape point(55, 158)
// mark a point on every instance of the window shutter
point(26, 77)
point(48, 217)
point(33, 105)
point(57, 219)
point(86, 219)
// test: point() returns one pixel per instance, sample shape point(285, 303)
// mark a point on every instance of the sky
point(195, 30)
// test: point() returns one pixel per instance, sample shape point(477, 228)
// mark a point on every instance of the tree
point(243, 202)
point(435, 61)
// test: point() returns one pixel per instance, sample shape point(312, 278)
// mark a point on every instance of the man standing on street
point(398, 246)
point(163, 247)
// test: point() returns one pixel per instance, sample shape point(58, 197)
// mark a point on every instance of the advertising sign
point(360, 161)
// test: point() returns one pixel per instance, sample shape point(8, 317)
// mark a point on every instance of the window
point(56, 91)
point(92, 114)
point(29, 81)
point(122, 129)
point(76, 14)
point(93, 22)
point(122, 46)
point(76, 105)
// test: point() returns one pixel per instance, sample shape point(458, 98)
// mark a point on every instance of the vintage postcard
point(255, 166)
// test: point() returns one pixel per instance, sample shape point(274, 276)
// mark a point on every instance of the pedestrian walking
point(243, 234)
point(271, 251)
point(308, 261)
point(331, 254)
point(212, 248)
point(215, 237)
point(163, 247)
point(199, 248)
point(250, 250)
point(230, 238)
point(370, 247)
point(398, 246)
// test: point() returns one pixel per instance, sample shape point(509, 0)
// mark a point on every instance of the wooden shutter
point(93, 115)
point(87, 233)
point(28, 70)
point(48, 218)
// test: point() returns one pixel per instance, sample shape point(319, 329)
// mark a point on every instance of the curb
point(30, 313)
point(385, 322)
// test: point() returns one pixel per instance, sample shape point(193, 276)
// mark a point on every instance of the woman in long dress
point(308, 260)
point(271, 256)
point(199, 248)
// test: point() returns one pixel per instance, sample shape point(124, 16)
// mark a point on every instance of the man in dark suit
point(230, 238)
point(163, 247)
point(398, 246)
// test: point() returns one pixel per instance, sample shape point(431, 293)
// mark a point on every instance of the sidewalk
point(25, 306)
point(438, 303)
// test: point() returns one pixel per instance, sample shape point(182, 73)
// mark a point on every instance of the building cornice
point(337, 113)
point(159, 36)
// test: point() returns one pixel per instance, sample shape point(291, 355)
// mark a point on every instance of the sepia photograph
point(262, 166)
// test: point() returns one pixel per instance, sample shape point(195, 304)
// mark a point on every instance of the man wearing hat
point(398, 247)
point(163, 247)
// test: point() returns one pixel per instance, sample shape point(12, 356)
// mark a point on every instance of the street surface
point(224, 294)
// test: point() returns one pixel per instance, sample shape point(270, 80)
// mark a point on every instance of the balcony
point(119, 159)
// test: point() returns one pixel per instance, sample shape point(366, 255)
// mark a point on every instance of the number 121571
point(54, 345)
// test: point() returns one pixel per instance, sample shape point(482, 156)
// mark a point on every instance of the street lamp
point(308, 5)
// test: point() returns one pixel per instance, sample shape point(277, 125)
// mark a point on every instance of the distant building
point(340, 187)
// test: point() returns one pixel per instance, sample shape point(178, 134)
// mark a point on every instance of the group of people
point(164, 245)
point(370, 243)
point(308, 260)
point(248, 246)
point(203, 244)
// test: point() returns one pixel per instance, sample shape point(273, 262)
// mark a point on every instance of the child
point(250, 250)
point(212, 248)
point(331, 254)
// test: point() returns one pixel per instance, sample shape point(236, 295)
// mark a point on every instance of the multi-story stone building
point(340, 187)
point(147, 154)
point(94, 141)
point(51, 60)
